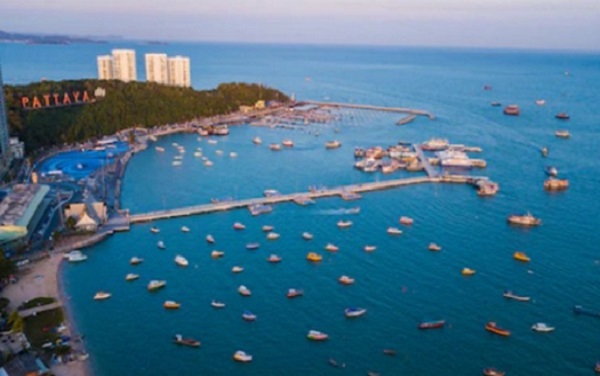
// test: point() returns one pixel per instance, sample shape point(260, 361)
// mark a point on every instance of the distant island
point(32, 38)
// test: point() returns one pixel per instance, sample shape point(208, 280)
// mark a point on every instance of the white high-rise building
point(124, 68)
point(179, 71)
point(156, 68)
point(105, 67)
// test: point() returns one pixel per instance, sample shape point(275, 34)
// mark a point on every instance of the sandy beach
point(42, 278)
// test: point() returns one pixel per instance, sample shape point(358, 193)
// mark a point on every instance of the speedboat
point(161, 245)
point(131, 277)
point(432, 324)
point(273, 236)
point(344, 224)
point(233, 154)
point(267, 228)
point(177, 163)
point(354, 312)
point(252, 246)
point(274, 258)
point(154, 230)
point(394, 231)
point(524, 220)
point(244, 291)
point(521, 256)
point(542, 327)
point(136, 261)
point(544, 151)
point(331, 248)
point(508, 294)
point(467, 272)
point(101, 295)
point(169, 304)
point(540, 102)
point(434, 247)
point(237, 269)
point(210, 239)
point(241, 356)
point(186, 341)
point(562, 116)
point(217, 304)
point(406, 221)
point(287, 143)
point(333, 144)
point(370, 248)
point(307, 236)
point(345, 280)
point(493, 372)
point(156, 284)
point(75, 256)
point(315, 257)
point(551, 170)
point(275, 147)
point(512, 109)
point(248, 316)
point(563, 133)
point(257, 140)
point(238, 226)
point(217, 254)
point(160, 149)
point(293, 293)
point(181, 261)
point(315, 335)
point(185, 229)
point(208, 163)
point(493, 328)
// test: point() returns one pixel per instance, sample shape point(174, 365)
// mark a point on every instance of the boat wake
point(340, 211)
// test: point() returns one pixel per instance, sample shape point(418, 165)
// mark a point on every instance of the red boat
point(432, 324)
point(512, 109)
point(492, 327)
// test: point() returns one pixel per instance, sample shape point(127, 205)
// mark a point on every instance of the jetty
point(403, 110)
point(431, 172)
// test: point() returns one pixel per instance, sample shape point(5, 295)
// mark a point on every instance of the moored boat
point(185, 229)
point(217, 254)
point(524, 220)
point(544, 152)
point(584, 311)
point(241, 356)
point(156, 284)
point(493, 372)
point(315, 335)
point(354, 312)
point(562, 133)
point(331, 248)
point(131, 277)
point(432, 324)
point(244, 291)
point(217, 304)
point(273, 236)
point(307, 236)
point(75, 256)
point(562, 116)
point(333, 144)
point(248, 316)
point(597, 367)
point(394, 231)
point(314, 257)
point(267, 228)
point(257, 140)
point(467, 272)
point(161, 245)
point(540, 102)
point(406, 221)
point(389, 352)
point(344, 224)
point(508, 294)
point(287, 143)
point(273, 258)
point(345, 280)
point(237, 269)
point(370, 248)
point(178, 339)
point(551, 170)
point(275, 147)
point(238, 226)
point(293, 293)
point(154, 230)
point(512, 110)
point(434, 247)
point(210, 239)
point(542, 327)
point(556, 184)
point(170, 304)
point(493, 328)
point(252, 246)
point(102, 295)
point(521, 256)
point(136, 260)
point(181, 261)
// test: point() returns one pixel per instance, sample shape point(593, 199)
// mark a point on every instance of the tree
point(7, 267)
point(70, 223)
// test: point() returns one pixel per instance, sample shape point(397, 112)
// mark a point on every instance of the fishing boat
point(161, 245)
point(331, 248)
point(521, 256)
point(252, 246)
point(242, 357)
point(584, 311)
point(294, 293)
point(370, 248)
point(217, 254)
point(508, 294)
point(181, 261)
point(467, 272)
point(307, 236)
point(237, 269)
point(434, 247)
point(136, 261)
point(272, 236)
point(552, 184)
point(267, 228)
point(493, 372)
point(315, 335)
point(432, 324)
point(493, 328)
point(353, 312)
point(344, 224)
point(551, 171)
point(217, 304)
point(273, 258)
point(562, 133)
point(248, 316)
point(75, 256)
point(345, 280)
point(170, 304)
point(544, 152)
point(185, 229)
point(512, 110)
point(131, 277)
point(156, 284)
point(562, 116)
point(257, 140)
point(333, 144)
point(101, 295)
point(244, 291)
point(238, 226)
point(210, 239)
point(287, 143)
point(406, 221)
point(275, 147)
point(394, 231)
point(314, 257)
point(524, 220)
point(154, 230)
point(542, 327)
point(178, 339)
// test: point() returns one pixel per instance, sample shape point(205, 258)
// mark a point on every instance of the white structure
point(105, 67)
point(179, 71)
point(156, 68)
point(123, 62)
point(17, 148)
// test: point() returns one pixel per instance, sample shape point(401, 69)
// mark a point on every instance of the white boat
point(272, 236)
point(333, 144)
point(248, 316)
point(177, 163)
point(257, 140)
point(178, 157)
point(75, 256)
point(542, 327)
point(238, 226)
point(181, 261)
point(268, 228)
point(237, 269)
point(219, 152)
point(370, 248)
point(154, 230)
point(217, 304)
point(158, 148)
point(562, 133)
point(241, 356)
point(394, 231)
point(275, 147)
point(331, 248)
point(244, 291)
point(101, 295)
point(210, 239)
point(208, 163)
point(233, 154)
point(540, 102)
point(213, 142)
point(510, 295)
point(156, 284)
point(315, 335)
point(307, 236)
point(354, 312)
point(136, 260)
point(132, 277)
point(185, 229)
point(344, 224)
point(161, 245)
point(197, 154)
point(288, 143)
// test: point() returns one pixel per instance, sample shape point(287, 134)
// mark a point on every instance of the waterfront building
point(17, 148)
point(105, 67)
point(123, 63)
point(4, 142)
point(157, 68)
point(179, 71)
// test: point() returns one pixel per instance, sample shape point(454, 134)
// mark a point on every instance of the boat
point(237, 269)
point(242, 357)
point(217, 304)
point(540, 102)
point(197, 154)
point(521, 256)
point(353, 312)
point(131, 277)
point(101, 295)
point(169, 304)
point(315, 335)
point(136, 261)
point(275, 147)
point(584, 311)
point(544, 152)
point(406, 221)
point(160, 149)
point(156, 284)
point(75, 256)
point(177, 163)
point(252, 246)
point(370, 248)
point(217, 254)
point(542, 327)
point(212, 142)
point(248, 316)
point(307, 236)
point(432, 324)
point(185, 229)
point(563, 133)
point(267, 228)
point(238, 226)
point(333, 144)
point(293, 293)
point(493, 372)
point(551, 171)
point(434, 247)
point(274, 259)
point(208, 163)
point(271, 193)
point(314, 257)
point(181, 261)
point(524, 220)
point(556, 184)
point(389, 352)
point(178, 339)
point(233, 154)
point(467, 272)
point(244, 291)
point(161, 245)
point(219, 152)
point(562, 116)
point(496, 104)
point(210, 239)
point(344, 224)
point(154, 230)
point(435, 144)
point(272, 236)
point(287, 143)
point(394, 231)
point(512, 110)
point(493, 328)
point(487, 188)
point(508, 294)
point(331, 248)
point(257, 140)
point(345, 280)
point(597, 367)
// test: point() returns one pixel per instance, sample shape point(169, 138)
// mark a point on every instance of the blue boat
point(354, 311)
point(583, 311)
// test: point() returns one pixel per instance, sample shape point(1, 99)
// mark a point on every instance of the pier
point(409, 111)
point(431, 172)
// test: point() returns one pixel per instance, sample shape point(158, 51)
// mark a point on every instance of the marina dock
point(409, 111)
point(431, 172)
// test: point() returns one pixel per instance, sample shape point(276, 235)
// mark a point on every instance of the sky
point(538, 24)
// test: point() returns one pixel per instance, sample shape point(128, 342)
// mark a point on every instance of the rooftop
point(19, 205)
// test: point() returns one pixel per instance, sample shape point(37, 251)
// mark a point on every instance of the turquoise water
point(401, 283)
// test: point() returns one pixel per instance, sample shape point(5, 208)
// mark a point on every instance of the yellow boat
point(312, 256)
point(521, 256)
point(467, 272)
